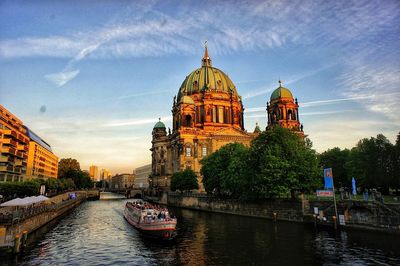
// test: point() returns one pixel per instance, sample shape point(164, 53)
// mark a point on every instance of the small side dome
point(186, 99)
point(159, 124)
point(281, 92)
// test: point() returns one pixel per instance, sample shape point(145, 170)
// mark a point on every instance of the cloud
point(244, 26)
point(290, 80)
point(381, 98)
point(131, 122)
point(379, 82)
point(307, 113)
point(334, 101)
point(61, 78)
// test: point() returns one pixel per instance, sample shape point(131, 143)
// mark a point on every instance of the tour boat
point(150, 220)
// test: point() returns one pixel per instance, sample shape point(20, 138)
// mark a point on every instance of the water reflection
point(95, 233)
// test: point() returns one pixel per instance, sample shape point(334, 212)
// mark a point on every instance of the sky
point(92, 78)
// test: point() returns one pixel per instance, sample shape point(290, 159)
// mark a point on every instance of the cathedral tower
point(283, 110)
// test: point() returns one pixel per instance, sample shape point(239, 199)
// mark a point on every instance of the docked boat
point(150, 220)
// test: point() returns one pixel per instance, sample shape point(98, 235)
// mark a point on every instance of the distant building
point(105, 174)
point(13, 147)
point(142, 176)
point(42, 163)
point(122, 181)
point(94, 173)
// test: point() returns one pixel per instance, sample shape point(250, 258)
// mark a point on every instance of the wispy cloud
point(290, 80)
point(367, 98)
point(131, 122)
point(143, 30)
point(334, 101)
point(380, 83)
point(263, 25)
point(307, 113)
point(61, 78)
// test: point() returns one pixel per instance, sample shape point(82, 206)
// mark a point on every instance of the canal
point(95, 233)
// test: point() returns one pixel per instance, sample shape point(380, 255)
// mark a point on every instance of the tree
point(281, 163)
point(185, 180)
point(67, 164)
point(220, 175)
point(337, 159)
point(372, 162)
point(278, 163)
point(81, 179)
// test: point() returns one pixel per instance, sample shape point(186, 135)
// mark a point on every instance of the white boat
point(150, 220)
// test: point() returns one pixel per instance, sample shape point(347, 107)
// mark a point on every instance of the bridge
point(127, 192)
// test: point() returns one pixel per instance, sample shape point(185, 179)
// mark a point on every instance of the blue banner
point(353, 186)
point(328, 178)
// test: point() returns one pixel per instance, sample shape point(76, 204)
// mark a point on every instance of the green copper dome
point(281, 92)
point(159, 124)
point(206, 78)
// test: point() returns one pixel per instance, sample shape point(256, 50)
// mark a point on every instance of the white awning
point(25, 201)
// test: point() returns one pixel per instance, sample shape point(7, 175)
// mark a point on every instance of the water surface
point(95, 233)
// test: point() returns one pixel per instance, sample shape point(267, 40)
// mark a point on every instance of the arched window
point(188, 151)
point(203, 151)
point(188, 120)
point(290, 115)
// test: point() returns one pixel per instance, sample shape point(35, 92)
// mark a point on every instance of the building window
point(203, 151)
point(188, 151)
point(220, 115)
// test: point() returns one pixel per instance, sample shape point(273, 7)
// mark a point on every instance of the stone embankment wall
point(289, 210)
point(357, 214)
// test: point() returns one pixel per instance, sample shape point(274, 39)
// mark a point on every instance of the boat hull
point(162, 230)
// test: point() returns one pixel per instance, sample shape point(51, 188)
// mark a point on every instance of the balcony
point(21, 138)
point(18, 163)
point(6, 168)
point(10, 142)
point(6, 159)
point(9, 150)
point(19, 154)
point(9, 132)
point(17, 170)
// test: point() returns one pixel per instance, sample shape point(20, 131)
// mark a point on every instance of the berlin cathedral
point(207, 113)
